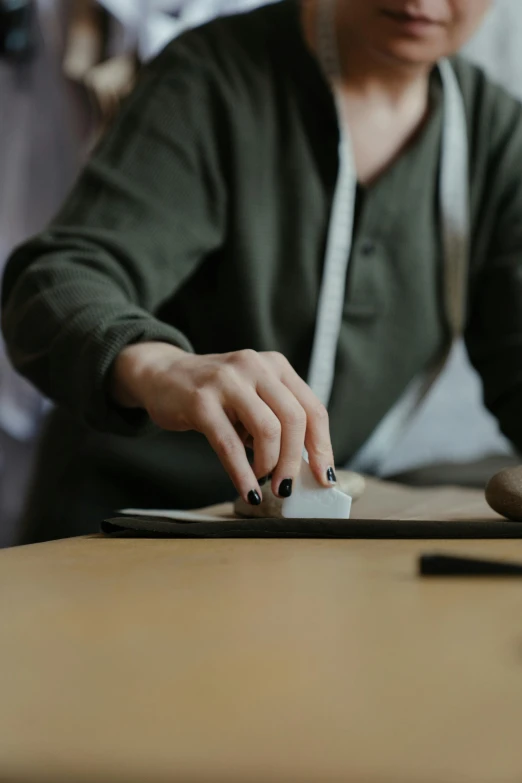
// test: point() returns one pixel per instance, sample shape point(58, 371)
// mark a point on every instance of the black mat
point(153, 527)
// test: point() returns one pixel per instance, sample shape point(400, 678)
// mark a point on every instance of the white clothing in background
point(498, 45)
point(159, 21)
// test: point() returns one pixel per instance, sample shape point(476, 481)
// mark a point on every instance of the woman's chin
point(409, 52)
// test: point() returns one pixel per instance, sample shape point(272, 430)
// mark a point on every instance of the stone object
point(504, 493)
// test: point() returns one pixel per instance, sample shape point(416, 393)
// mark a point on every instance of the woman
point(183, 285)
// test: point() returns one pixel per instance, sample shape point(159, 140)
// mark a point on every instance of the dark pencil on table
point(438, 564)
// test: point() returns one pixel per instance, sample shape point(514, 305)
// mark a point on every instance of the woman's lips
point(415, 26)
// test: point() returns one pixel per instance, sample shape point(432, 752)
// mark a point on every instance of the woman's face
point(413, 31)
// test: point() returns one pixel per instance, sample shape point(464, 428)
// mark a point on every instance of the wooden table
point(244, 661)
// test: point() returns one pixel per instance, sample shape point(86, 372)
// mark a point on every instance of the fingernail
point(262, 481)
point(330, 475)
point(254, 498)
point(285, 488)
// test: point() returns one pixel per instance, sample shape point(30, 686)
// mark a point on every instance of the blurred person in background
point(196, 276)
point(41, 140)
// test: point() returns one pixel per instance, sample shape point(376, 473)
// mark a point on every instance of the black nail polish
point(262, 481)
point(285, 488)
point(330, 475)
point(254, 498)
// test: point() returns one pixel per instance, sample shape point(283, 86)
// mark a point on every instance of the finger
point(318, 439)
point(292, 418)
point(212, 421)
point(242, 432)
point(246, 438)
point(263, 426)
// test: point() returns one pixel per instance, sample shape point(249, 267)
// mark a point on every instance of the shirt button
point(368, 248)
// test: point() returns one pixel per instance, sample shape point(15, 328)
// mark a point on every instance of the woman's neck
point(366, 75)
point(387, 104)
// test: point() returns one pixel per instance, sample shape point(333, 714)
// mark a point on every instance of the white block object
point(310, 500)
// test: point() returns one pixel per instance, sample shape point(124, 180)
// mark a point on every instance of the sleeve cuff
point(104, 414)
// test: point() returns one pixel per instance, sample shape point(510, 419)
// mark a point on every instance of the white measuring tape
point(455, 227)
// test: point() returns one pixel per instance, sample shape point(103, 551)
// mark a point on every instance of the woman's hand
point(233, 399)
